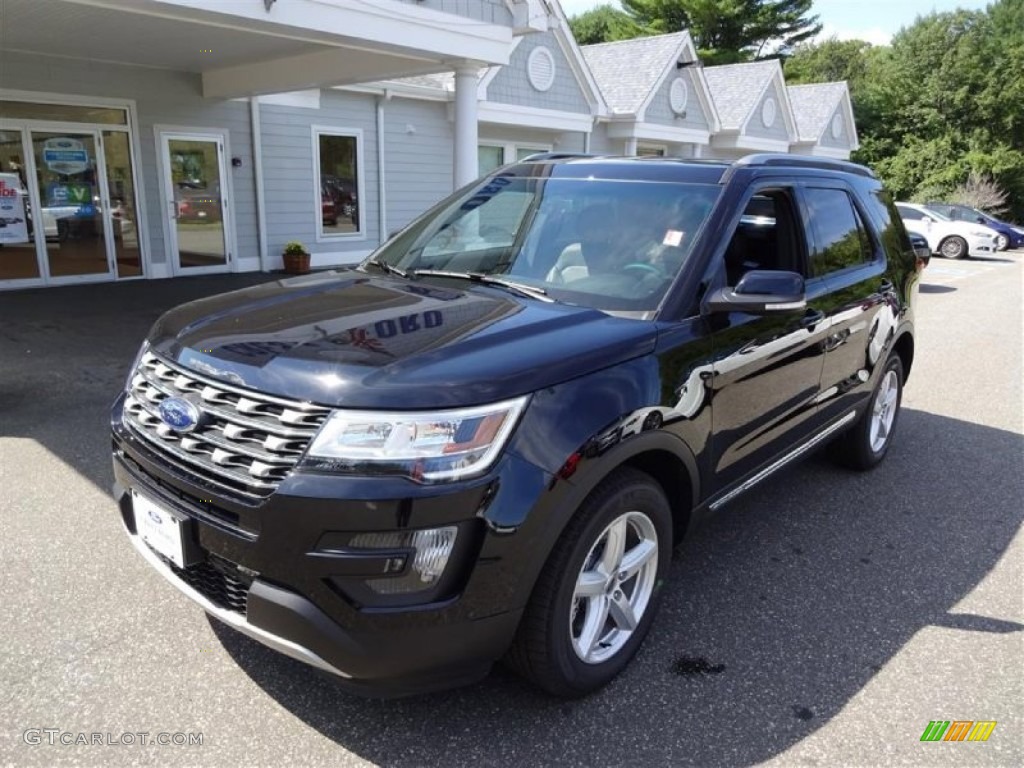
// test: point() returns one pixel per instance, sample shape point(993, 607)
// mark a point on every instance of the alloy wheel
point(883, 411)
point(614, 587)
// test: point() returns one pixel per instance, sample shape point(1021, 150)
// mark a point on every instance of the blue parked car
point(1010, 236)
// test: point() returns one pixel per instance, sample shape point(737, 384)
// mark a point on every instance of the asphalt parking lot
point(822, 620)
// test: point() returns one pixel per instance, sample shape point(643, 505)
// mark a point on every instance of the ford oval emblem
point(179, 414)
point(155, 517)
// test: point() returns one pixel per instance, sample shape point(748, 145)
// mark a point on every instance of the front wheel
point(954, 247)
point(865, 444)
point(1002, 242)
point(597, 595)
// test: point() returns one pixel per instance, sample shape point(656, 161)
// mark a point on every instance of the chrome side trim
point(800, 450)
point(233, 620)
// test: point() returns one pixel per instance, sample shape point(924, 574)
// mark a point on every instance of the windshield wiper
point(478, 277)
point(391, 269)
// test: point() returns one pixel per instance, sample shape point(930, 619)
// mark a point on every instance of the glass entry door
point(19, 260)
point(196, 203)
point(71, 181)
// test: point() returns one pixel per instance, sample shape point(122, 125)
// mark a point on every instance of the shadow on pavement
point(65, 353)
point(777, 613)
point(990, 259)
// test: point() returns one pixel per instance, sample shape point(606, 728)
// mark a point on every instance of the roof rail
point(804, 161)
point(557, 156)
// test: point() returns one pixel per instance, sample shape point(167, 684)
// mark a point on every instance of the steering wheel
point(641, 267)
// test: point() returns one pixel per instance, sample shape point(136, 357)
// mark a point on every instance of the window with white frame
point(339, 191)
point(651, 150)
point(493, 155)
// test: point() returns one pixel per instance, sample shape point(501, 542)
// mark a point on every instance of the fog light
point(432, 548)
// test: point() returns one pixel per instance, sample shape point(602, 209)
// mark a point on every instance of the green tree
point(730, 30)
point(943, 101)
point(603, 24)
point(828, 61)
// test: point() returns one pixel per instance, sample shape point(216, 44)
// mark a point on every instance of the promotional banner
point(13, 222)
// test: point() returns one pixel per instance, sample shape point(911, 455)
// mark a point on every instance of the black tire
point(854, 447)
point(543, 650)
point(1002, 243)
point(954, 247)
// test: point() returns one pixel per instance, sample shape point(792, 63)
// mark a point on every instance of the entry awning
point(249, 47)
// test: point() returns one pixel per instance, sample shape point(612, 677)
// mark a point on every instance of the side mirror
point(761, 292)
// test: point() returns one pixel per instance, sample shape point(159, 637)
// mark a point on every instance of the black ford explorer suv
point(485, 441)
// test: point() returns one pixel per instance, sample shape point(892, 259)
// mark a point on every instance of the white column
point(466, 125)
point(630, 147)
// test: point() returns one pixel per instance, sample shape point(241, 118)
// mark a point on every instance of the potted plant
point(296, 258)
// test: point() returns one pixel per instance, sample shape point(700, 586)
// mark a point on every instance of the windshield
point(611, 245)
point(938, 215)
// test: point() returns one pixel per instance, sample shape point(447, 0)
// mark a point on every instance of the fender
point(559, 503)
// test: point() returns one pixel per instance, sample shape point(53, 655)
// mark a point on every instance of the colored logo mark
point(958, 730)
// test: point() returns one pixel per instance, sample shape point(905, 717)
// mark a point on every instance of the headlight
point(426, 446)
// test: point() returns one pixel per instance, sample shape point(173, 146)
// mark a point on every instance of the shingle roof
point(736, 88)
point(628, 70)
point(813, 105)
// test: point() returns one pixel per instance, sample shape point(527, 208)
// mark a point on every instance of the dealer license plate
point(160, 528)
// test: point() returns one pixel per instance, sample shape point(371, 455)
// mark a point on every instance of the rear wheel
point(865, 444)
point(597, 595)
point(953, 247)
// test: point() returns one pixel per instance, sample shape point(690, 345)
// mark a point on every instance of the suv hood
point(354, 340)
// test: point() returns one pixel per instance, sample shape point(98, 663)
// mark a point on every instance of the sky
point(873, 20)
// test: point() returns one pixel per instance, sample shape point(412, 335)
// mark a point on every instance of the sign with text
point(13, 222)
point(65, 156)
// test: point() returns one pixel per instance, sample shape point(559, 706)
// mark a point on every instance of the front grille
point(218, 581)
point(247, 442)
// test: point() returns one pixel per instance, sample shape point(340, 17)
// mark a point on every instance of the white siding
point(777, 130)
point(293, 202)
point(419, 158)
point(660, 110)
point(491, 11)
point(512, 85)
point(600, 144)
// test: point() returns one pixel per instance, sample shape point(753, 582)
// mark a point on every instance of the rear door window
point(841, 239)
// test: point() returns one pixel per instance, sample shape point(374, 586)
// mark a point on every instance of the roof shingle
point(736, 88)
point(813, 105)
point(628, 70)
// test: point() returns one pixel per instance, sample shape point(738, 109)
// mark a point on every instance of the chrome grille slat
point(192, 461)
point(248, 439)
point(232, 415)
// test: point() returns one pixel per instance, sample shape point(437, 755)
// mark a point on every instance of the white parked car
point(945, 236)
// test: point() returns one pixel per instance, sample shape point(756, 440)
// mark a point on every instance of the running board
point(778, 464)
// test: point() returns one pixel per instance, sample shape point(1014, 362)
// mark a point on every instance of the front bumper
point(982, 245)
point(265, 571)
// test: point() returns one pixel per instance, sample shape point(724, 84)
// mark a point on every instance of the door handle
point(812, 317)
